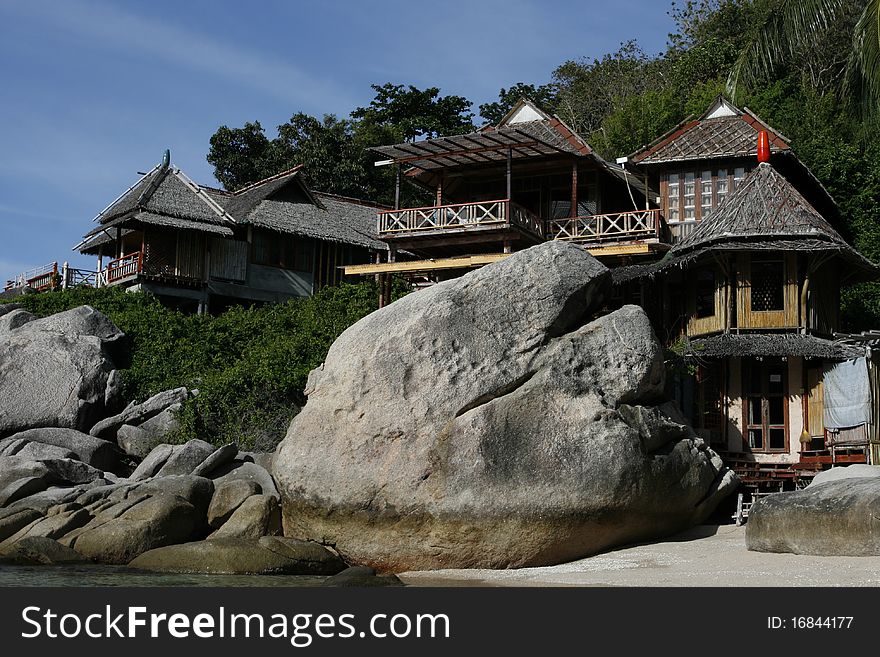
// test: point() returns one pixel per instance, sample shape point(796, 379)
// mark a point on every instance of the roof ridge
point(352, 199)
point(273, 178)
point(126, 192)
point(203, 195)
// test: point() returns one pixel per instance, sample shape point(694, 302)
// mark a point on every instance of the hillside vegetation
point(249, 364)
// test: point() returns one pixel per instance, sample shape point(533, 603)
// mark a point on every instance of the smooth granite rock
point(493, 421)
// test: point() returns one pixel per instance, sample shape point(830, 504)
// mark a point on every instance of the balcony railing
point(39, 278)
point(617, 226)
point(124, 267)
point(502, 212)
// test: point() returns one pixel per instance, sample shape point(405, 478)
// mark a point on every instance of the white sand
point(709, 555)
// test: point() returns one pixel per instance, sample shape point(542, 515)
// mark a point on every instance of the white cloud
point(202, 53)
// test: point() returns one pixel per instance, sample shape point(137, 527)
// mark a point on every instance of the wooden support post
point(439, 192)
point(509, 163)
point(392, 254)
point(507, 246)
point(574, 189)
point(65, 273)
point(118, 242)
point(397, 187)
point(100, 265)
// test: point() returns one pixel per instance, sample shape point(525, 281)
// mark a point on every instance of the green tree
point(241, 155)
point(406, 113)
point(809, 34)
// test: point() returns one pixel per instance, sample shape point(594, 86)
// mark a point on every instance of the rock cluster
point(82, 480)
point(494, 421)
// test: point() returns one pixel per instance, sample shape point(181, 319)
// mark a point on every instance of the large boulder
point(835, 518)
point(54, 371)
point(139, 440)
point(258, 515)
point(488, 422)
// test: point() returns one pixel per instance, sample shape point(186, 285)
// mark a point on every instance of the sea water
point(87, 575)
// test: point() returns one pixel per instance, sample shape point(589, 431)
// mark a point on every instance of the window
point(768, 284)
point(738, 174)
point(287, 251)
point(673, 192)
point(705, 293)
point(706, 193)
point(720, 186)
point(765, 397)
point(690, 196)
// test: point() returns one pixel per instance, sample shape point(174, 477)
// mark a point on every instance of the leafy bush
point(249, 364)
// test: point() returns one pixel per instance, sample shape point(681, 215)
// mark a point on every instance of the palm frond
point(862, 82)
point(792, 27)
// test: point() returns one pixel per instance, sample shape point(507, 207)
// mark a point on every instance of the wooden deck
point(457, 217)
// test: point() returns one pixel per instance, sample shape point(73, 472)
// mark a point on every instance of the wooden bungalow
point(198, 248)
point(505, 188)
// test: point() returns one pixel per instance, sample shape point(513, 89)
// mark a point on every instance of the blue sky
point(91, 92)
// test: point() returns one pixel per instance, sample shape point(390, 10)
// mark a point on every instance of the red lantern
point(763, 146)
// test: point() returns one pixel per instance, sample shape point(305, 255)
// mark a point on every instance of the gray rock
point(137, 414)
point(480, 423)
point(221, 456)
point(55, 524)
point(40, 451)
point(362, 576)
point(20, 488)
point(113, 399)
point(40, 551)
point(228, 556)
point(140, 440)
point(836, 518)
point(152, 463)
point(53, 496)
point(154, 522)
point(247, 472)
point(228, 496)
point(98, 453)
point(15, 319)
point(263, 459)
point(6, 308)
point(198, 491)
point(15, 519)
point(186, 458)
point(54, 371)
point(854, 471)
point(258, 515)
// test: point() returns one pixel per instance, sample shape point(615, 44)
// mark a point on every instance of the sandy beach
point(708, 555)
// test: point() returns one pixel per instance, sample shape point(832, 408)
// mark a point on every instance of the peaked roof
point(764, 204)
point(165, 196)
point(723, 130)
point(765, 212)
point(526, 131)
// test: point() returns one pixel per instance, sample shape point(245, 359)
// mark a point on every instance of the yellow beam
point(425, 265)
point(621, 249)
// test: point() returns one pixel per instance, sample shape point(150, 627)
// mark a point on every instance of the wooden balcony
point(457, 217)
point(605, 228)
point(125, 267)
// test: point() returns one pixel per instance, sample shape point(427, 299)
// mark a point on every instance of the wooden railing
point(458, 215)
point(40, 278)
point(606, 227)
point(127, 265)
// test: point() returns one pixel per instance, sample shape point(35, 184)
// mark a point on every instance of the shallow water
point(122, 576)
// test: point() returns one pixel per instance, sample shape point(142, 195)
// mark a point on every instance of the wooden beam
point(622, 249)
point(464, 262)
point(574, 190)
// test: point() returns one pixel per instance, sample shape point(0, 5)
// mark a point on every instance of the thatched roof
point(765, 212)
point(722, 131)
point(283, 203)
point(770, 345)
